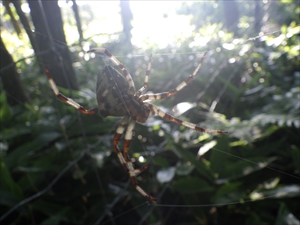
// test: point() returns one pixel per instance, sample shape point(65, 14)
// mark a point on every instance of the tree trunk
point(47, 20)
point(28, 30)
point(12, 17)
point(78, 21)
point(11, 81)
point(126, 19)
point(232, 16)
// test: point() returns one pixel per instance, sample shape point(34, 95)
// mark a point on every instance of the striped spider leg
point(145, 86)
point(67, 100)
point(162, 114)
point(162, 95)
point(125, 161)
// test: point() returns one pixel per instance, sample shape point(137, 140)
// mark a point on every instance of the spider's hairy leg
point(118, 134)
point(177, 89)
point(127, 139)
point(145, 87)
point(119, 64)
point(66, 99)
point(124, 160)
point(132, 172)
point(167, 116)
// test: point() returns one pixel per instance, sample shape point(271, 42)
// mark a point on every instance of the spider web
point(89, 148)
point(121, 193)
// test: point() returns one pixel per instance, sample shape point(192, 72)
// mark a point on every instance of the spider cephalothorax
point(116, 96)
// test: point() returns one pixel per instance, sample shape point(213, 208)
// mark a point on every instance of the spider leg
point(124, 159)
point(119, 64)
point(128, 138)
point(68, 100)
point(145, 87)
point(132, 172)
point(173, 91)
point(167, 116)
point(118, 134)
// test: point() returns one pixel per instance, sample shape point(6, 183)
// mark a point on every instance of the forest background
point(58, 166)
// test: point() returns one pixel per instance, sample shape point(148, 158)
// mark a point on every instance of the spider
point(116, 96)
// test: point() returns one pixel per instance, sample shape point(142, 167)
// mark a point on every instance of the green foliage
point(249, 176)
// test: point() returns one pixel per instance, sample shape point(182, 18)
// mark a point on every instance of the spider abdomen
point(115, 99)
point(112, 91)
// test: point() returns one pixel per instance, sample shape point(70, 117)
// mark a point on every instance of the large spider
point(116, 96)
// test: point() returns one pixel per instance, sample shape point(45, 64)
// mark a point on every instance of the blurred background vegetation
point(58, 166)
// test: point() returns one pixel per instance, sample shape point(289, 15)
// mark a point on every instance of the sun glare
point(154, 22)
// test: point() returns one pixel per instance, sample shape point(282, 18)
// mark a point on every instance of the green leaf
point(243, 168)
point(285, 217)
point(206, 147)
point(183, 169)
point(229, 193)
point(7, 184)
point(284, 29)
point(14, 132)
point(296, 157)
point(5, 112)
point(165, 175)
point(218, 159)
point(288, 191)
point(200, 167)
point(254, 219)
point(56, 218)
point(53, 220)
point(160, 161)
point(190, 185)
point(22, 152)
